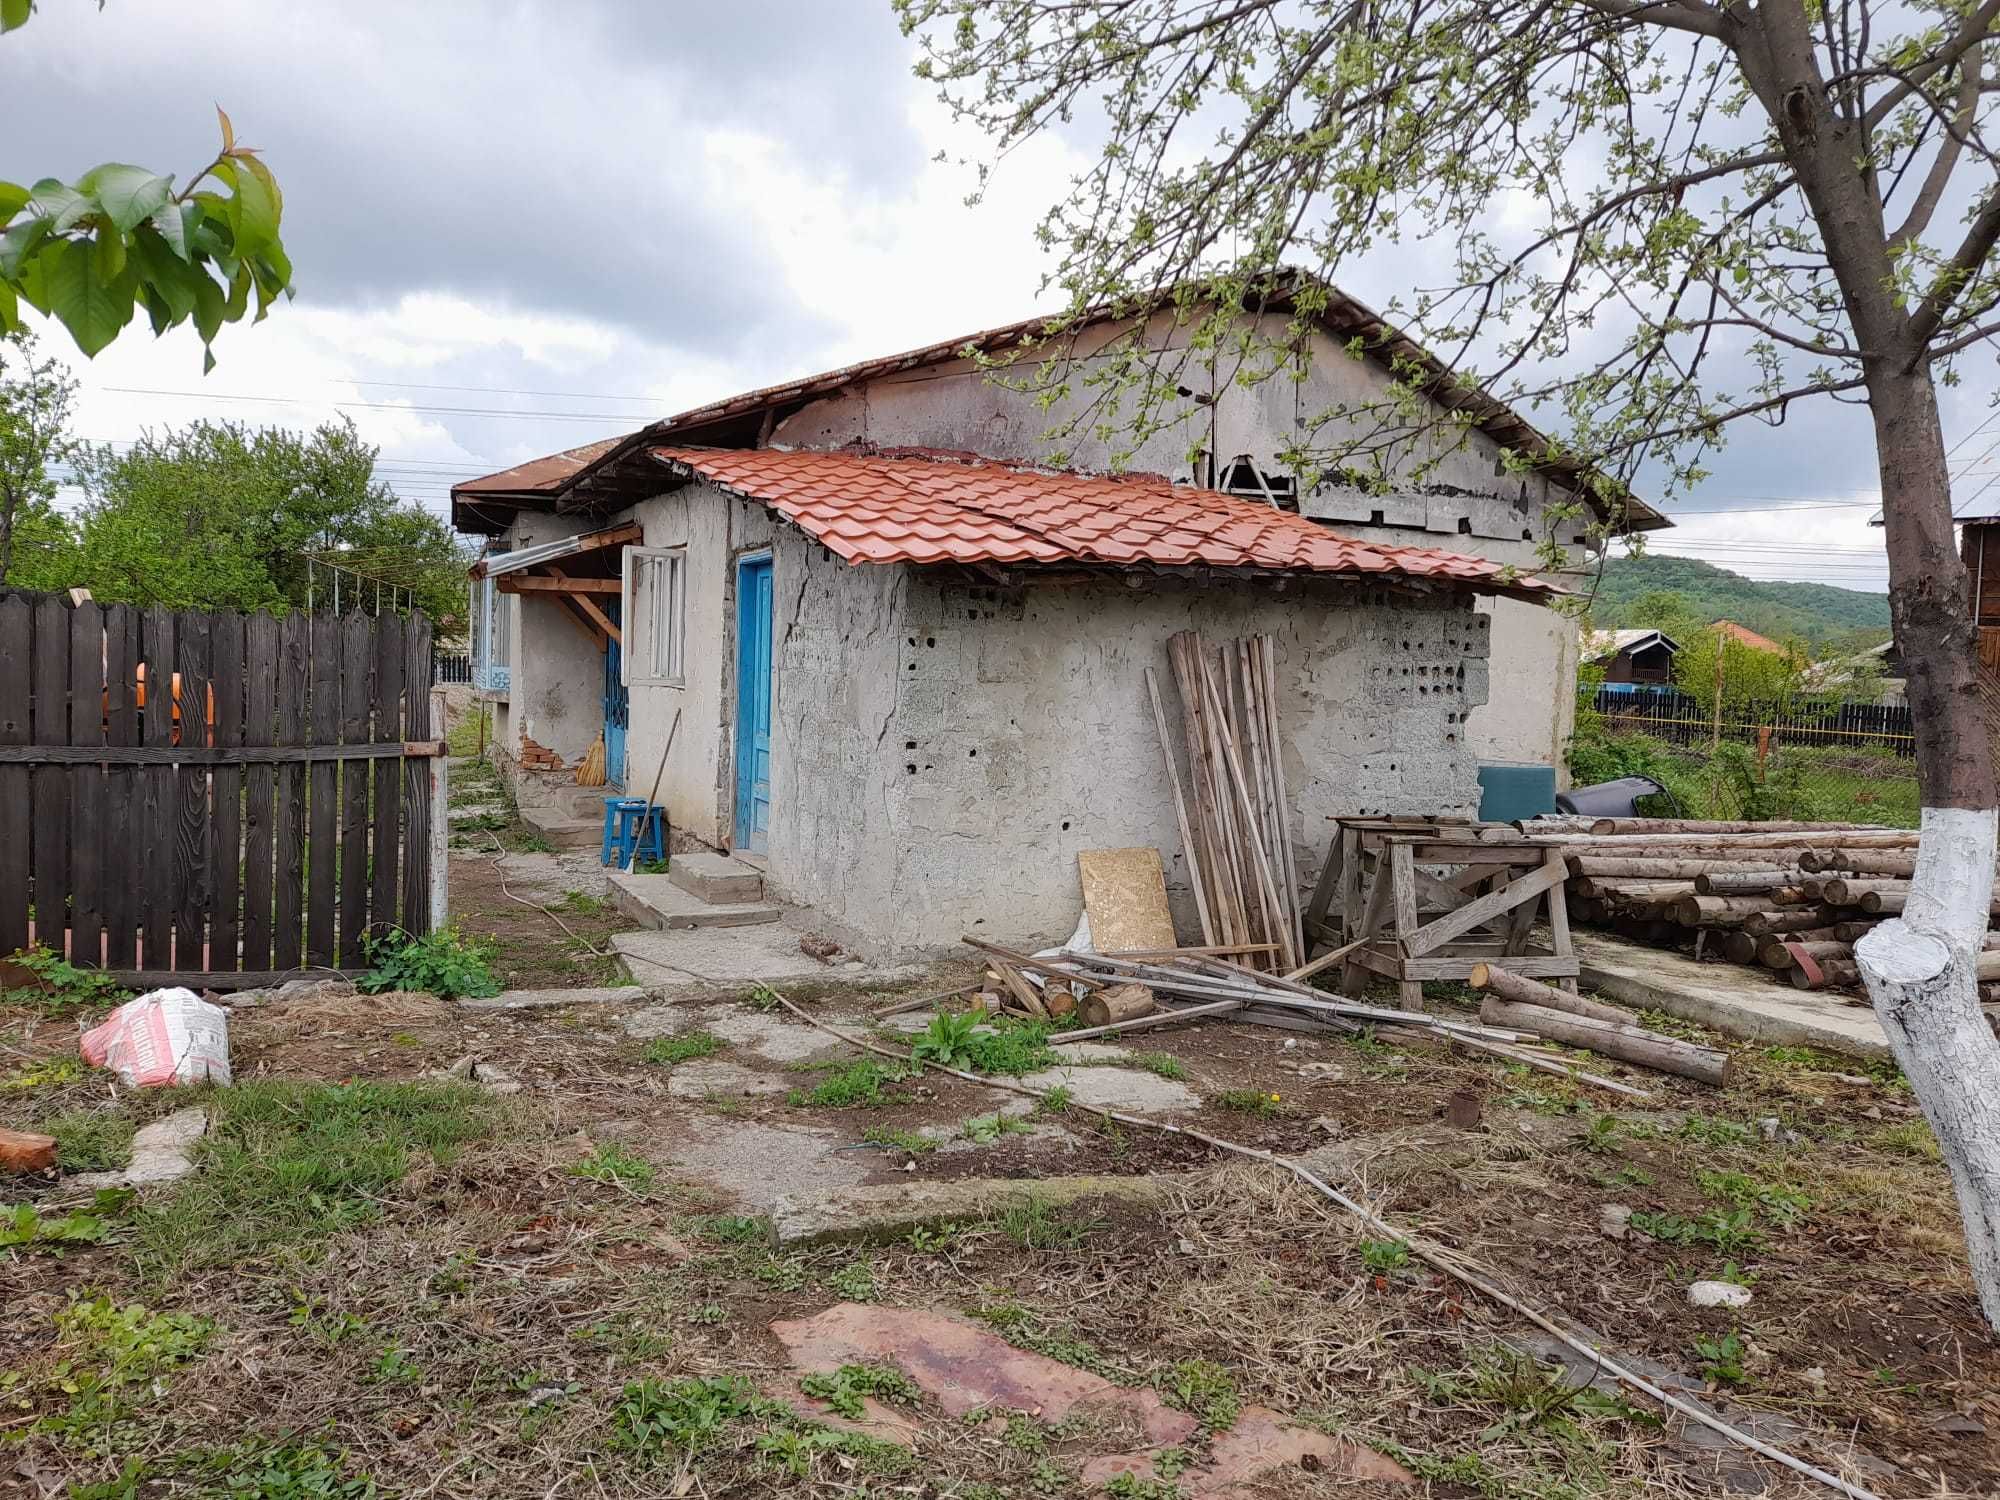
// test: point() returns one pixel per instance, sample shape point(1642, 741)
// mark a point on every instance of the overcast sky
point(521, 226)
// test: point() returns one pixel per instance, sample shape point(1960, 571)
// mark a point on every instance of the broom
point(591, 772)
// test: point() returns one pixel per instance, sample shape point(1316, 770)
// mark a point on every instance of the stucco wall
point(556, 677)
point(1481, 510)
point(1020, 733)
point(695, 787)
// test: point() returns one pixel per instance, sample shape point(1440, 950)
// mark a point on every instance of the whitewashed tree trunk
point(1919, 973)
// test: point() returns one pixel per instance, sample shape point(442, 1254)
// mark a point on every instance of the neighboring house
point(1745, 636)
point(908, 661)
point(1633, 658)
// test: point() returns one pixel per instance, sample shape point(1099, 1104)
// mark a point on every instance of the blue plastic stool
point(630, 822)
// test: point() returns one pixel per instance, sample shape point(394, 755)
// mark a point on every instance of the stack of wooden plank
point(1792, 897)
point(1232, 806)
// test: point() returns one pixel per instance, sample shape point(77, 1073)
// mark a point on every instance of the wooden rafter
point(589, 607)
point(534, 583)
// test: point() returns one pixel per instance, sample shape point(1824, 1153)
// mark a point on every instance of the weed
point(613, 1165)
point(845, 1389)
point(1783, 1206)
point(259, 1470)
point(732, 1229)
point(91, 1140)
point(1132, 1487)
point(986, 1129)
point(650, 867)
point(855, 1281)
point(330, 1329)
point(22, 1228)
point(668, 1050)
point(395, 1367)
point(53, 1074)
point(1734, 1274)
point(1249, 1101)
point(857, 1085)
point(583, 904)
point(287, 1161)
point(1204, 1388)
point(1720, 1359)
point(1024, 1330)
point(1165, 1064)
point(533, 841)
point(1038, 1225)
point(964, 1040)
point(1674, 1026)
point(114, 1359)
point(935, 1239)
point(1368, 1044)
point(782, 1273)
point(1729, 1234)
point(1533, 1091)
point(913, 1141)
point(1384, 1257)
point(1713, 1132)
point(1600, 1135)
point(445, 963)
point(1054, 1101)
point(763, 998)
point(688, 1415)
point(1530, 1397)
point(62, 987)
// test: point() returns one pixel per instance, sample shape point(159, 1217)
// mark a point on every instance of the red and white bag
point(163, 1038)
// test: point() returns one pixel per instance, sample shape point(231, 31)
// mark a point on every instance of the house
point(1633, 658)
point(903, 663)
point(1744, 636)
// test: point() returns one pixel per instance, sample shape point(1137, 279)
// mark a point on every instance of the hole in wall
point(1065, 827)
point(911, 768)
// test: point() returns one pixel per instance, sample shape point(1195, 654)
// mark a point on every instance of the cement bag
point(162, 1038)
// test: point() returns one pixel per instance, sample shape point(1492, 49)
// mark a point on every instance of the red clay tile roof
point(875, 508)
point(1747, 636)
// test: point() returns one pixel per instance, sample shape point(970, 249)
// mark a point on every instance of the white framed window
point(654, 608)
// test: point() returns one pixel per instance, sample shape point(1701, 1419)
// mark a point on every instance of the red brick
point(22, 1152)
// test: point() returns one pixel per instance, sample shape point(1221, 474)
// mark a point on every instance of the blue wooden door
point(617, 704)
point(753, 704)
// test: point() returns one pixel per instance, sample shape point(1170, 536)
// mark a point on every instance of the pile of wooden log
point(1791, 897)
point(1232, 804)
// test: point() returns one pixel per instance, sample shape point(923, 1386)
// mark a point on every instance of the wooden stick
point(1188, 850)
point(1631, 1044)
point(1165, 1016)
point(1024, 992)
point(1532, 992)
point(1208, 951)
point(1704, 825)
point(898, 1007)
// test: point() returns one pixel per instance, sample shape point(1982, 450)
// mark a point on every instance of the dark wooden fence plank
point(86, 786)
point(357, 668)
point(225, 844)
point(17, 618)
point(260, 697)
point(121, 730)
point(193, 649)
point(388, 706)
point(289, 821)
point(50, 790)
point(417, 777)
point(159, 791)
point(323, 824)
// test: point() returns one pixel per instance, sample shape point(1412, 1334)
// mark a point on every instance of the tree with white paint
point(1658, 218)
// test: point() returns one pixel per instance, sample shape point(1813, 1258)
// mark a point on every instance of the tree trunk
point(1919, 969)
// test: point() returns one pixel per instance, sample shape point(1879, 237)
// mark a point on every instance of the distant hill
point(1817, 613)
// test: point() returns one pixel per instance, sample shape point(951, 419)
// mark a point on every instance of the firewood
point(1842, 973)
point(1860, 861)
point(1646, 867)
point(1626, 1043)
point(1782, 952)
point(1121, 1002)
point(1794, 919)
point(1737, 946)
point(1516, 987)
point(1704, 825)
point(1024, 993)
point(1731, 911)
point(1746, 882)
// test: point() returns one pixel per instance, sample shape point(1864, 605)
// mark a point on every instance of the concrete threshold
point(1737, 1001)
point(659, 902)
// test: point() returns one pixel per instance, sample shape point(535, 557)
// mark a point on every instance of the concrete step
point(716, 878)
point(563, 831)
point(657, 902)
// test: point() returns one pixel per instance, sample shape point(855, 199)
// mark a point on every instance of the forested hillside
point(1817, 613)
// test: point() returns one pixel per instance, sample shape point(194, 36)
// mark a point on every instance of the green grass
point(668, 1050)
point(287, 1162)
point(1165, 1064)
point(986, 1129)
point(1204, 1388)
point(614, 1166)
point(856, 1085)
point(1249, 1101)
point(91, 1140)
point(846, 1388)
point(1038, 1225)
point(913, 1141)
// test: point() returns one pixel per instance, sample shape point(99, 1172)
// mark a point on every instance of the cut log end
point(1121, 1002)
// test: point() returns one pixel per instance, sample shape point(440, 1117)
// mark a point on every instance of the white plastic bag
point(163, 1038)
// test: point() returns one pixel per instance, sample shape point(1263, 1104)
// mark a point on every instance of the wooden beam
point(589, 607)
point(531, 583)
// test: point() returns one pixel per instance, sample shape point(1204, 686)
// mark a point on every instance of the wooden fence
point(233, 796)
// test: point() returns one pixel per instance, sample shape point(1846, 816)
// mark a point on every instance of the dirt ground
point(532, 1296)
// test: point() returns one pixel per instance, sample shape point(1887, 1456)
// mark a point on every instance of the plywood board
point(1125, 897)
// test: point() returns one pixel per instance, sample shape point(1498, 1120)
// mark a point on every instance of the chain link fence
point(1819, 760)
